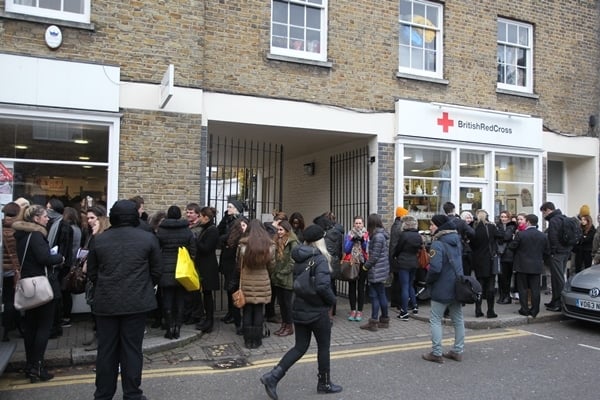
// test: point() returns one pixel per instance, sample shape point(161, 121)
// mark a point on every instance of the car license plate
point(588, 305)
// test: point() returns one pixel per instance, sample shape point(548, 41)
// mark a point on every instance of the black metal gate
point(246, 170)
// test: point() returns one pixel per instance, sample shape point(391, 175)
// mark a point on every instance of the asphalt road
point(557, 360)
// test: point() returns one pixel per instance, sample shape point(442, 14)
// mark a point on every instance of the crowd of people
point(131, 274)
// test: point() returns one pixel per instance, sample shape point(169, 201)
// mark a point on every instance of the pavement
point(68, 350)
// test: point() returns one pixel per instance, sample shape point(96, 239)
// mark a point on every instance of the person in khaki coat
point(256, 260)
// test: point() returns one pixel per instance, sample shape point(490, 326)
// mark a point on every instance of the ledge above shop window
point(47, 21)
point(404, 75)
point(515, 93)
point(276, 57)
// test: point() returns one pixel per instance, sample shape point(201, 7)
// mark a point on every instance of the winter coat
point(530, 247)
point(445, 263)
point(378, 265)
point(124, 264)
point(555, 221)
point(256, 283)
point(405, 254)
point(304, 312)
point(586, 243)
point(173, 234)
point(206, 256)
point(505, 234)
point(350, 240)
point(395, 231)
point(10, 259)
point(483, 245)
point(282, 275)
point(38, 255)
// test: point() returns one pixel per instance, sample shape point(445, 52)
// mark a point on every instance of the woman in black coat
point(483, 245)
point(173, 233)
point(506, 231)
point(207, 265)
point(405, 257)
point(34, 255)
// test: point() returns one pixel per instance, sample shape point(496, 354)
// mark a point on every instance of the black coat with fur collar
point(38, 256)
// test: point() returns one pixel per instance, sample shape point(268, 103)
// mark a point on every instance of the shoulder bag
point(34, 291)
point(467, 289)
point(305, 286)
point(239, 299)
point(423, 255)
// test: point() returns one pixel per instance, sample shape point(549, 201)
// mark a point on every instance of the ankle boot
point(289, 330)
point(169, 324)
point(325, 385)
point(490, 309)
point(281, 329)
point(176, 331)
point(478, 312)
point(384, 322)
point(372, 325)
point(39, 373)
point(270, 381)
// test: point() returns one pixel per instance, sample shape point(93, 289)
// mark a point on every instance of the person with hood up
point(378, 268)
point(311, 315)
point(444, 266)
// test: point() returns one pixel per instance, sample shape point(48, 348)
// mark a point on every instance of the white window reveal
point(420, 47)
point(299, 29)
point(515, 56)
point(66, 10)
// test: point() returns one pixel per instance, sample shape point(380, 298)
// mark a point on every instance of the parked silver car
point(581, 295)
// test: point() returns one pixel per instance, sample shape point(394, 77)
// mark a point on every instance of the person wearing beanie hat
point(584, 210)
point(445, 265)
point(310, 312)
point(401, 212)
point(239, 206)
point(124, 295)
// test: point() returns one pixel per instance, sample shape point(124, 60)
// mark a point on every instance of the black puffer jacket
point(38, 251)
point(124, 264)
point(409, 243)
point(304, 312)
point(173, 234)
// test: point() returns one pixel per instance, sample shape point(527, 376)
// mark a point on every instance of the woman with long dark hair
point(228, 265)
point(35, 257)
point(207, 242)
point(282, 276)
point(256, 256)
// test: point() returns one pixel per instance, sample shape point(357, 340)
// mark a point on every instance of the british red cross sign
point(445, 122)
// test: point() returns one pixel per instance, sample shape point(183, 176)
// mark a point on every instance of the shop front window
point(514, 184)
point(41, 158)
point(472, 165)
point(427, 174)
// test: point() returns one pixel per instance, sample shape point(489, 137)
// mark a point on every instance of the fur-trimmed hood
point(29, 227)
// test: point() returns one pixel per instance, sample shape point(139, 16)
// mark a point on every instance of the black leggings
point(353, 296)
point(36, 326)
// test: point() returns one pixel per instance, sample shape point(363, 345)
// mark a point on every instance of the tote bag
point(185, 271)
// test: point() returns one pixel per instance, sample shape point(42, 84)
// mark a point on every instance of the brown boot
point(384, 322)
point(281, 329)
point(372, 325)
point(289, 330)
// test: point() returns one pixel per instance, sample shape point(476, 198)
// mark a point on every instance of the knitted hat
point(439, 219)
point(401, 212)
point(584, 210)
point(238, 205)
point(124, 212)
point(313, 233)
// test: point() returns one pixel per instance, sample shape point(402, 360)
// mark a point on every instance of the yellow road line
point(12, 383)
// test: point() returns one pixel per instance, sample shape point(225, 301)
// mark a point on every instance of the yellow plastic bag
point(185, 271)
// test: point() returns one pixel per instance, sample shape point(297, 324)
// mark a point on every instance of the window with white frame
point(66, 10)
point(420, 47)
point(299, 28)
point(515, 56)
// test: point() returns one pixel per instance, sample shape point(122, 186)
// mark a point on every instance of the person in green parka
point(282, 276)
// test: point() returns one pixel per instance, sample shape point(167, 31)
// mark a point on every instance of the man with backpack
point(560, 251)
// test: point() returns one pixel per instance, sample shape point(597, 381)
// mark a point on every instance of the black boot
point(176, 331)
point(270, 381)
point(325, 385)
point(257, 336)
point(169, 324)
point(248, 339)
point(39, 373)
point(490, 309)
point(478, 312)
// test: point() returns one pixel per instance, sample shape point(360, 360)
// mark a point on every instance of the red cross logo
point(445, 122)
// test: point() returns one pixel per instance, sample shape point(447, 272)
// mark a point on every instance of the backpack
point(570, 231)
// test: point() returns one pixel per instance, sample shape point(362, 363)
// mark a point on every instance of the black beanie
point(439, 219)
point(124, 212)
point(313, 233)
point(237, 204)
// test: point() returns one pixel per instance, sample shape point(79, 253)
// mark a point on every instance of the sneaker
point(403, 316)
point(352, 316)
point(359, 316)
point(65, 323)
point(415, 310)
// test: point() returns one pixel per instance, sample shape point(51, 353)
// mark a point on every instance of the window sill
point(515, 93)
point(48, 21)
point(324, 64)
point(404, 75)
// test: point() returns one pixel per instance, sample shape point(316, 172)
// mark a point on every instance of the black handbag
point(304, 284)
point(467, 289)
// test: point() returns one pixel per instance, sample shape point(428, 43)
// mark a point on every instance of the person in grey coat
point(124, 264)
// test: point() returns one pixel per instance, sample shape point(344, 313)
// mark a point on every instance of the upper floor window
point(515, 56)
point(67, 10)
point(421, 38)
point(299, 29)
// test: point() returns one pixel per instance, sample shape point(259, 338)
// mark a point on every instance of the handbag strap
point(446, 247)
point(25, 252)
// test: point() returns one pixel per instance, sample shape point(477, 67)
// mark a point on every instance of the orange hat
point(401, 212)
point(584, 210)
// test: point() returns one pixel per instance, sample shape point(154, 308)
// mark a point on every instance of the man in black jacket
point(124, 264)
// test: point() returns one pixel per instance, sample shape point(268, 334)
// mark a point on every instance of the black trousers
point(531, 282)
point(36, 327)
point(285, 297)
point(505, 278)
point(321, 328)
point(173, 298)
point(11, 318)
point(119, 343)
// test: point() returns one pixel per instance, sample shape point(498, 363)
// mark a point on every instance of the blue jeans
point(407, 290)
point(435, 322)
point(378, 300)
